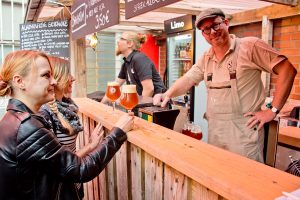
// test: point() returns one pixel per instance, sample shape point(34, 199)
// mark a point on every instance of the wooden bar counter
point(158, 163)
point(289, 136)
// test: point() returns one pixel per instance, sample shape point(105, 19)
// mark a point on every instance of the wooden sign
point(50, 37)
point(137, 7)
point(90, 16)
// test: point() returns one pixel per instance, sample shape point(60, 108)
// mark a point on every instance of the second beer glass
point(129, 98)
point(113, 92)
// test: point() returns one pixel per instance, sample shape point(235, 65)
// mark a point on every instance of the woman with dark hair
point(33, 162)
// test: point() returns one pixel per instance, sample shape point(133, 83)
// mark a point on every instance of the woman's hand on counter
point(126, 122)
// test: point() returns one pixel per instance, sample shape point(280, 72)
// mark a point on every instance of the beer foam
point(112, 83)
point(129, 89)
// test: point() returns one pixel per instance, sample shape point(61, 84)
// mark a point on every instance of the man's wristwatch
point(274, 110)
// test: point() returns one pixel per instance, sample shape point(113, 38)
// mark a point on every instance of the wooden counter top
point(289, 135)
point(225, 173)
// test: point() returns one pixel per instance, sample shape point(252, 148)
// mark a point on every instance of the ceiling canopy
point(239, 11)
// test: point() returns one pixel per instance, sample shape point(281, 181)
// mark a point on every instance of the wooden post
point(266, 35)
point(271, 135)
point(78, 67)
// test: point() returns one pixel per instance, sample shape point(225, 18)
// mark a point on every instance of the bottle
point(177, 51)
point(182, 52)
point(188, 50)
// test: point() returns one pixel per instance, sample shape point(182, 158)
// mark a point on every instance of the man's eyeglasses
point(215, 26)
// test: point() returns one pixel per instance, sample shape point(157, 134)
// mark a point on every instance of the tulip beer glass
point(113, 92)
point(129, 98)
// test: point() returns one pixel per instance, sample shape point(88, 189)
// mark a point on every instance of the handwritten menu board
point(90, 16)
point(50, 37)
point(138, 7)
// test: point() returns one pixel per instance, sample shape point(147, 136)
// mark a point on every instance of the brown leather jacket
point(33, 163)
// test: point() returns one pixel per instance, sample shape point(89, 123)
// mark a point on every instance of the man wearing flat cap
point(231, 69)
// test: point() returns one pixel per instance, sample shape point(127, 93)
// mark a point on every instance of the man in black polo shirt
point(137, 68)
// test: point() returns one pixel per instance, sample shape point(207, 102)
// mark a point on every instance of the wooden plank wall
point(133, 174)
point(158, 163)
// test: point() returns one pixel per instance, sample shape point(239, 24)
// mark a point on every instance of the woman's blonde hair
point(137, 38)
point(17, 62)
point(62, 74)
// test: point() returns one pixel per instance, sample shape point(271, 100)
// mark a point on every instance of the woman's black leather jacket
point(33, 163)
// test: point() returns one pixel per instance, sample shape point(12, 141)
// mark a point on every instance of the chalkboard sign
point(90, 16)
point(50, 37)
point(138, 7)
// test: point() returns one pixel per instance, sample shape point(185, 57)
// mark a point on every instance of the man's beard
point(118, 52)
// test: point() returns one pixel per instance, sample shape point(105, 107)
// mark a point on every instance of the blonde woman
point(33, 162)
point(61, 114)
point(137, 68)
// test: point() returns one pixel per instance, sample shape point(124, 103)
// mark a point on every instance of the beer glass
point(113, 92)
point(196, 132)
point(129, 98)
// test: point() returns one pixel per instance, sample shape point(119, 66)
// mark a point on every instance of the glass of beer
point(196, 132)
point(113, 92)
point(129, 98)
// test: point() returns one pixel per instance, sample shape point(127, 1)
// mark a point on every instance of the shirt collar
point(232, 37)
point(130, 56)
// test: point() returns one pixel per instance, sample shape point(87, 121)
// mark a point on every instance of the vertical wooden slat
point(153, 178)
point(199, 192)
point(112, 188)
point(79, 139)
point(102, 184)
point(267, 36)
point(137, 190)
point(86, 129)
point(175, 184)
point(111, 177)
point(122, 176)
point(78, 66)
point(95, 180)
point(80, 145)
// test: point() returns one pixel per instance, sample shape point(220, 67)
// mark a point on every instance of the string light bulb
point(92, 40)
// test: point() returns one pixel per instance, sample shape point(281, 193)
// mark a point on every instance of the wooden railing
point(157, 163)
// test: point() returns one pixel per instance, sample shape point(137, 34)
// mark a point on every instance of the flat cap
point(208, 13)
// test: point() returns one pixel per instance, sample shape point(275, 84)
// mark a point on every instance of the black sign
point(90, 16)
point(137, 7)
point(179, 24)
point(49, 37)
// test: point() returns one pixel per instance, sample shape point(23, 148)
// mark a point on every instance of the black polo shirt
point(138, 67)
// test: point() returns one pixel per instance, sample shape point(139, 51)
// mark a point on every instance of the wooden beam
point(39, 9)
point(148, 24)
point(78, 67)
point(64, 14)
point(27, 14)
point(267, 36)
point(67, 3)
point(170, 10)
point(283, 2)
point(275, 11)
point(138, 23)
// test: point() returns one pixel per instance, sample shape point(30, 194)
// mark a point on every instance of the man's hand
point(161, 98)
point(259, 118)
point(104, 100)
